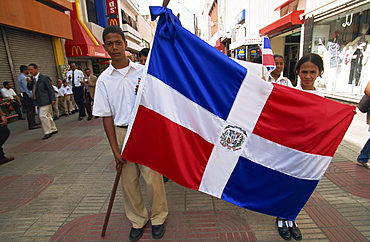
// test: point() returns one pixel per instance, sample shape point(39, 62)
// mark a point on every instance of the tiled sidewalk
point(58, 190)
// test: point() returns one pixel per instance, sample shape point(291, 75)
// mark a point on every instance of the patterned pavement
point(58, 190)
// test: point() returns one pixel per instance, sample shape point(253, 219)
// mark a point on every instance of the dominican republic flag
point(211, 125)
point(267, 55)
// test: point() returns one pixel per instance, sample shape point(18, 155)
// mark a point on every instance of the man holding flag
point(114, 101)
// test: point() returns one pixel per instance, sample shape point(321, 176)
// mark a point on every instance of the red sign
point(112, 7)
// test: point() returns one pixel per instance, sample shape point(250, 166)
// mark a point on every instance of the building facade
point(337, 30)
point(55, 33)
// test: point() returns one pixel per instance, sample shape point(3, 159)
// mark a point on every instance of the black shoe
point(158, 231)
point(80, 118)
point(35, 127)
point(135, 234)
point(89, 117)
point(282, 226)
point(6, 160)
point(55, 132)
point(165, 179)
point(46, 136)
point(295, 232)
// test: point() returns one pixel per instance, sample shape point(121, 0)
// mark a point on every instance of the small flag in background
point(267, 55)
point(212, 125)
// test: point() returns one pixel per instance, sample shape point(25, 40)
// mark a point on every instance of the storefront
point(37, 40)
point(342, 39)
point(285, 36)
point(85, 50)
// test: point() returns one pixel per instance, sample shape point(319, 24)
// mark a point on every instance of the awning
point(220, 46)
point(285, 22)
point(284, 4)
point(82, 45)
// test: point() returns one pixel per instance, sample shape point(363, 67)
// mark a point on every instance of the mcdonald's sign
point(113, 21)
point(91, 50)
point(76, 50)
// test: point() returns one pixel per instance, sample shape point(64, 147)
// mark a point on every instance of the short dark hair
point(144, 52)
point(87, 69)
point(314, 58)
point(5, 83)
point(113, 29)
point(278, 56)
point(33, 65)
point(22, 68)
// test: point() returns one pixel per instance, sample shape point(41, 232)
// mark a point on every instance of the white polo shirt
point(78, 76)
point(281, 80)
point(299, 87)
point(115, 93)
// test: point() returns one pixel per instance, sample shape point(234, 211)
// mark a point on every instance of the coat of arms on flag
point(212, 125)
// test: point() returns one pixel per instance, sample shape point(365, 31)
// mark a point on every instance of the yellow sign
point(91, 50)
point(76, 50)
point(113, 21)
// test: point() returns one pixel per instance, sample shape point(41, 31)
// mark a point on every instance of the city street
point(58, 190)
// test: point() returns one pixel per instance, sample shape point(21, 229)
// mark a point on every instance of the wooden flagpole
point(112, 196)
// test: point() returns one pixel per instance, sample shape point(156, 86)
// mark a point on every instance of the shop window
point(343, 41)
point(91, 11)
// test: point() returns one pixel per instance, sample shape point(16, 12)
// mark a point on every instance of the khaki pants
point(69, 103)
point(62, 105)
point(135, 209)
point(55, 108)
point(46, 119)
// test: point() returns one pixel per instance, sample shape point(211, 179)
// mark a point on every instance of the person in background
point(4, 134)
point(56, 104)
point(9, 94)
point(61, 99)
point(90, 83)
point(44, 97)
point(114, 101)
point(276, 75)
point(308, 68)
point(143, 55)
point(22, 81)
point(68, 98)
point(75, 79)
point(364, 156)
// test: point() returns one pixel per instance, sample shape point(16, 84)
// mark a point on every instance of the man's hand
point(52, 102)
point(119, 160)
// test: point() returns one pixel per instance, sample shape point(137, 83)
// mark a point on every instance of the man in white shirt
point(114, 101)
point(75, 80)
point(9, 94)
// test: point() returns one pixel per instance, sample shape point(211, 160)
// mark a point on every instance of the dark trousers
point(4, 134)
point(17, 108)
point(78, 94)
point(30, 109)
point(88, 103)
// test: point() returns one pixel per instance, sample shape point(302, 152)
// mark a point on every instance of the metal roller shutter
point(6, 74)
point(29, 47)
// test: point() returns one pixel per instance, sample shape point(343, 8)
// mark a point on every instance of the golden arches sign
point(76, 50)
point(113, 21)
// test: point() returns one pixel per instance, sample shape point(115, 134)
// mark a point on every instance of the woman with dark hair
point(276, 75)
point(308, 68)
